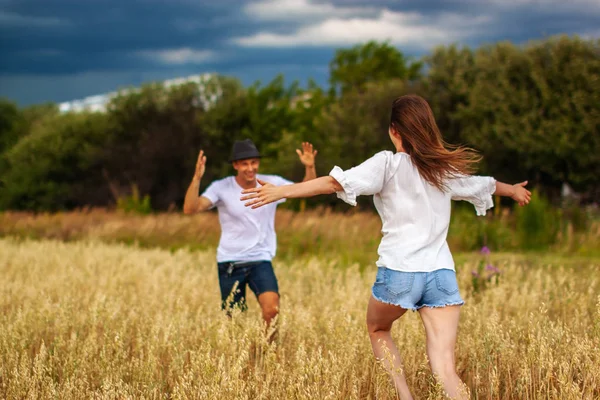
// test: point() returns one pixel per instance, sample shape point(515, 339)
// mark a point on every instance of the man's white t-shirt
point(246, 234)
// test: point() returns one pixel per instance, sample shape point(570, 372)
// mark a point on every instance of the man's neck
point(244, 183)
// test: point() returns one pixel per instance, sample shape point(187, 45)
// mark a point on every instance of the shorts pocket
point(380, 277)
point(398, 282)
point(445, 279)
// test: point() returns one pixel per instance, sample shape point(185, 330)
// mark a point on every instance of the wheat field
point(87, 320)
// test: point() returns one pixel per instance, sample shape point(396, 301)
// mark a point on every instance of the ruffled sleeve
point(477, 190)
point(347, 194)
point(364, 179)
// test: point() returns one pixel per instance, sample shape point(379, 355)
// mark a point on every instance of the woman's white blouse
point(415, 215)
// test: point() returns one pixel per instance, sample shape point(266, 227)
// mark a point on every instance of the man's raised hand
point(200, 166)
point(307, 154)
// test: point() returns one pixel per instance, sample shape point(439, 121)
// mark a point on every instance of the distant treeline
point(533, 112)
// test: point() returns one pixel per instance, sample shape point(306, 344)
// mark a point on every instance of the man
point(248, 240)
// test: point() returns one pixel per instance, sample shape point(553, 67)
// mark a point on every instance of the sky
point(60, 50)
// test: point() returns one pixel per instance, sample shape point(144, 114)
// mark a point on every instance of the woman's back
point(415, 214)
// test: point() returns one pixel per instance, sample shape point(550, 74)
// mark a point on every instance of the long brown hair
point(435, 159)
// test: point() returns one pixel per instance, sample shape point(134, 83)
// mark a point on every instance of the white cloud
point(29, 88)
point(10, 19)
point(590, 35)
point(397, 27)
point(288, 10)
point(180, 56)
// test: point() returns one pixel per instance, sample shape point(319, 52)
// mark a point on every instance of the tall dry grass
point(353, 237)
point(109, 321)
point(318, 232)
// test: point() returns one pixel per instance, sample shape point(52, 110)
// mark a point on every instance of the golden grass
point(352, 237)
point(109, 321)
point(317, 232)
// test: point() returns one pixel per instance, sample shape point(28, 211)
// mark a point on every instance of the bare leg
point(269, 304)
point(441, 326)
point(380, 317)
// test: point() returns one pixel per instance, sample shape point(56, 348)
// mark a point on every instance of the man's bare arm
point(194, 203)
point(307, 158)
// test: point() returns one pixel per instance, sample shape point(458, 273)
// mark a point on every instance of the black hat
point(243, 149)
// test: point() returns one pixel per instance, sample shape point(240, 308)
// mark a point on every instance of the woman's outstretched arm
point(267, 193)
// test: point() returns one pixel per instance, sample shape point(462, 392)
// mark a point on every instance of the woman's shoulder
point(388, 155)
point(384, 160)
point(393, 159)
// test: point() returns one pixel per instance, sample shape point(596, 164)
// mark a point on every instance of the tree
point(17, 123)
point(55, 166)
point(10, 119)
point(352, 68)
point(535, 110)
point(153, 139)
point(451, 72)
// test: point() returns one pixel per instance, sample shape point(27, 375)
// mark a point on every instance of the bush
point(56, 166)
point(538, 223)
point(133, 203)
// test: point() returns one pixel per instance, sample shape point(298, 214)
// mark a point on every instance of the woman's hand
point(263, 195)
point(520, 194)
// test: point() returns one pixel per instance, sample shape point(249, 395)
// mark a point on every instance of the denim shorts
point(259, 275)
point(413, 290)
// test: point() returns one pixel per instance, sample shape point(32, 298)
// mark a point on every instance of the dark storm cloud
point(74, 48)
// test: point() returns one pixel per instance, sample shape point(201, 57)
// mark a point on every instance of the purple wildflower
point(475, 274)
point(485, 250)
point(491, 268)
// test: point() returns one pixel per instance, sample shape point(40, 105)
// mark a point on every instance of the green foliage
point(531, 110)
point(578, 217)
point(54, 167)
point(269, 112)
point(450, 74)
point(154, 142)
point(469, 232)
point(538, 223)
point(10, 117)
point(351, 69)
point(134, 203)
point(16, 123)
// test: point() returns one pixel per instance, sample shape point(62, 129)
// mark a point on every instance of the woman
point(412, 191)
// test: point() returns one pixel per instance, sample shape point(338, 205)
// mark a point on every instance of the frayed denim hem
point(393, 304)
point(415, 308)
point(458, 303)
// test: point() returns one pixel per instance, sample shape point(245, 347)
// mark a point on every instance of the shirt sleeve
point(212, 193)
point(477, 190)
point(364, 179)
